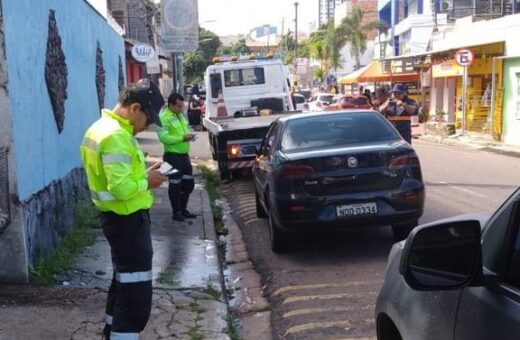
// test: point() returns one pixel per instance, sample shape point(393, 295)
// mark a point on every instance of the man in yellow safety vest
point(120, 187)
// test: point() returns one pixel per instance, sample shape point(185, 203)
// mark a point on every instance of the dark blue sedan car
point(327, 171)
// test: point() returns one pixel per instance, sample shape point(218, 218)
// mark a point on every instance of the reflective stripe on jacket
point(115, 166)
point(171, 134)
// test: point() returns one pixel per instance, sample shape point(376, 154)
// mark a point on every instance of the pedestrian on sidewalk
point(120, 186)
point(175, 134)
point(399, 109)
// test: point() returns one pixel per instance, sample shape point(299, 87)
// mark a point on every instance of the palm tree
point(352, 30)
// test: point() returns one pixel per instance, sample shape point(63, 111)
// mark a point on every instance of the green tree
point(195, 63)
point(240, 47)
point(333, 42)
point(352, 30)
point(227, 50)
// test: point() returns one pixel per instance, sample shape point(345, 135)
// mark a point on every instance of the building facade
point(55, 75)
point(326, 10)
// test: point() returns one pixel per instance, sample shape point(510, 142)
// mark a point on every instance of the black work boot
point(185, 212)
point(178, 216)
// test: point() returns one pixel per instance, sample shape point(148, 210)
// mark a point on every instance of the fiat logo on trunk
point(352, 162)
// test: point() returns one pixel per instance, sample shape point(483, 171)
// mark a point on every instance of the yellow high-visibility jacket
point(171, 134)
point(115, 166)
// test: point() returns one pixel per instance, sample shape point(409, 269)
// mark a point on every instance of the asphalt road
point(326, 287)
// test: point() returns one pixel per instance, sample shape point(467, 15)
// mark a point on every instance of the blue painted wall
point(41, 154)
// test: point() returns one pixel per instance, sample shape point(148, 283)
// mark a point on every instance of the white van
point(246, 85)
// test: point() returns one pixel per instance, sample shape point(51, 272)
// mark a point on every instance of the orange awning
point(373, 73)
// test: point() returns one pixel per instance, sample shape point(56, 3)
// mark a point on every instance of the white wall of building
point(349, 62)
point(469, 33)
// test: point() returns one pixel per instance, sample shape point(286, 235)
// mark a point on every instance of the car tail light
point(294, 171)
point(298, 208)
point(233, 151)
point(318, 104)
point(305, 106)
point(398, 162)
point(411, 197)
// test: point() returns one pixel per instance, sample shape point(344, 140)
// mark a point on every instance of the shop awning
point(353, 77)
point(373, 73)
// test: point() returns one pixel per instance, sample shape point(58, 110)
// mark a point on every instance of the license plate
point(360, 209)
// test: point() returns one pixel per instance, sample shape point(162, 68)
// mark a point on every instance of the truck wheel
point(279, 241)
point(224, 174)
point(401, 231)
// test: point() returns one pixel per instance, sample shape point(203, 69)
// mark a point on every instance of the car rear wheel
point(401, 231)
point(279, 240)
point(260, 211)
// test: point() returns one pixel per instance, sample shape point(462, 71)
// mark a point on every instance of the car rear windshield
point(336, 130)
point(325, 99)
point(359, 101)
point(299, 99)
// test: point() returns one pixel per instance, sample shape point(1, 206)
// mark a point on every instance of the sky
point(229, 17)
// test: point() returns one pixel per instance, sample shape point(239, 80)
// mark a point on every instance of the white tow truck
point(243, 98)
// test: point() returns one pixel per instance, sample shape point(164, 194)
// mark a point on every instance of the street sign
point(179, 25)
point(464, 57)
point(143, 52)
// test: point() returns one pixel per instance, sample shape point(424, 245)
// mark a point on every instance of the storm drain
point(5, 216)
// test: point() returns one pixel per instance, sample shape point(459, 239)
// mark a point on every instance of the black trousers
point(181, 183)
point(405, 129)
point(129, 300)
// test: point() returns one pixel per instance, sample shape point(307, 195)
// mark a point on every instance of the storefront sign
point(143, 52)
point(447, 69)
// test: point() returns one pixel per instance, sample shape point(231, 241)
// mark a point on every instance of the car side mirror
point(442, 256)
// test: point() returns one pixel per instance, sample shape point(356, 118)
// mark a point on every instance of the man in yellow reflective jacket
point(175, 134)
point(120, 187)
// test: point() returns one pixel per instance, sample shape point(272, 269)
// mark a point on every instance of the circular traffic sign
point(464, 57)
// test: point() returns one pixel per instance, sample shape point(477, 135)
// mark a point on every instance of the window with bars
point(5, 216)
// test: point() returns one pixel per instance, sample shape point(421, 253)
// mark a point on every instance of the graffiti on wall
point(56, 72)
point(100, 77)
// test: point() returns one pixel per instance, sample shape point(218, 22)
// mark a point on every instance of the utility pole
point(283, 35)
point(295, 29)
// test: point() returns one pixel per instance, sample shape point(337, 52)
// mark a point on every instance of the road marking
point(323, 297)
point(304, 311)
point(322, 286)
point(471, 192)
point(320, 325)
point(467, 191)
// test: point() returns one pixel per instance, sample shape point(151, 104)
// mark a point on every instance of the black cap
point(146, 93)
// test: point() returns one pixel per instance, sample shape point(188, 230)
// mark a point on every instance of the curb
point(249, 302)
point(209, 224)
point(471, 146)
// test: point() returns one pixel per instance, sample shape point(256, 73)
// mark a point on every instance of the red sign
point(464, 57)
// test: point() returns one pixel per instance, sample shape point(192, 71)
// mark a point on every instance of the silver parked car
point(457, 278)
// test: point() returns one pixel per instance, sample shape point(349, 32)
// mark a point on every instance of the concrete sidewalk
point(188, 301)
point(469, 140)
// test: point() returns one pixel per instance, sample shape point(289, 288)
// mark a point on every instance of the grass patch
point(194, 334)
point(211, 291)
point(79, 237)
point(195, 307)
point(233, 326)
point(212, 182)
point(166, 278)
